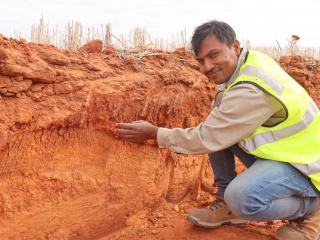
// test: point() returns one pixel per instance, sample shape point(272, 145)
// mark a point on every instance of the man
point(265, 118)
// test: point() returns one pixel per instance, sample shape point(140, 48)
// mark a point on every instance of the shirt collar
point(241, 60)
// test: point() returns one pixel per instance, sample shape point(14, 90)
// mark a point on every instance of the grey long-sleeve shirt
point(243, 108)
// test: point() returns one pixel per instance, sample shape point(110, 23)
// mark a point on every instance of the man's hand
point(137, 131)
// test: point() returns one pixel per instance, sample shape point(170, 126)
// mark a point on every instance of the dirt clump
point(94, 46)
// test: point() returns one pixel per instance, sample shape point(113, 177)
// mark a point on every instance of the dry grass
point(73, 36)
point(290, 49)
point(139, 42)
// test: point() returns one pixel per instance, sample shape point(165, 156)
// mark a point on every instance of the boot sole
point(276, 238)
point(199, 223)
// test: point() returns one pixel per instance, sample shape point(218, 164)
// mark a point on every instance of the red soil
point(64, 175)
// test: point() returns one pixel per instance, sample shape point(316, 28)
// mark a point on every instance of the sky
point(261, 22)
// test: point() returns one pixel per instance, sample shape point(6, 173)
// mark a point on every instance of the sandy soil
point(168, 221)
point(64, 175)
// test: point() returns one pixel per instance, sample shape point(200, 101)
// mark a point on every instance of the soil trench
point(64, 174)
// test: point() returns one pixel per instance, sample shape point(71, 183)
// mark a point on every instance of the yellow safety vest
point(296, 139)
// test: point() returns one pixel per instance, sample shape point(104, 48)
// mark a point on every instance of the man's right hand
point(137, 131)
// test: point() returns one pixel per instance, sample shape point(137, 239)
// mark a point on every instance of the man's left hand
point(137, 131)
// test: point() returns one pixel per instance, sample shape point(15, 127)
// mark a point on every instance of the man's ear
point(236, 47)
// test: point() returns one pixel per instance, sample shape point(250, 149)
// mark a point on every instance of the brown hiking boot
point(301, 229)
point(216, 215)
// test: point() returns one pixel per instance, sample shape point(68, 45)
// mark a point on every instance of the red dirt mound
point(64, 175)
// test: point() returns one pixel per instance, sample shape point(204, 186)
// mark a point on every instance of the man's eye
point(213, 55)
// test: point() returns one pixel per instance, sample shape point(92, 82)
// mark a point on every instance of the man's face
point(217, 60)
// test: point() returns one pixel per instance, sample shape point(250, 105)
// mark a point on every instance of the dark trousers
point(223, 166)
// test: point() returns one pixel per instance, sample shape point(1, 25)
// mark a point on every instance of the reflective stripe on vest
point(269, 137)
point(308, 169)
point(258, 73)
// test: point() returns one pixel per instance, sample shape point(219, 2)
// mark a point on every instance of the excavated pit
point(64, 174)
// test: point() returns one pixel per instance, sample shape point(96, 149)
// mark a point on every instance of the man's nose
point(207, 65)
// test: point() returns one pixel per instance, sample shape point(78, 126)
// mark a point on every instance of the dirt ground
point(64, 174)
point(168, 221)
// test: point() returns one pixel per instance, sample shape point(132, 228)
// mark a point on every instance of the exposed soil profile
point(64, 174)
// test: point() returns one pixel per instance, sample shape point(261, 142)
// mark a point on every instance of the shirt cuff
point(163, 137)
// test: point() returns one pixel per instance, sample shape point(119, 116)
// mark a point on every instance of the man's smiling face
point(217, 60)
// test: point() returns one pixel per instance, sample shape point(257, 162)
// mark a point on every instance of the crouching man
point(264, 117)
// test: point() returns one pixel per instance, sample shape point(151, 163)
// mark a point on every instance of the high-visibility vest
point(296, 138)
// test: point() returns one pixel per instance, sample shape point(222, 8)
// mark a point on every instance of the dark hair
point(220, 30)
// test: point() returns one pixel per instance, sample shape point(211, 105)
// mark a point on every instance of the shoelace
point(218, 203)
point(296, 223)
point(297, 220)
